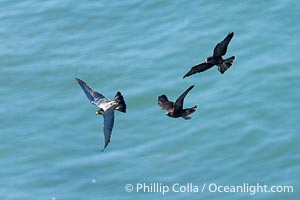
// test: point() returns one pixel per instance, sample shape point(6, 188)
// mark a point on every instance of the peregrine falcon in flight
point(219, 51)
point(106, 107)
point(176, 110)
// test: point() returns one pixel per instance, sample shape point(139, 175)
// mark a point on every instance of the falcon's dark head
point(100, 111)
point(209, 59)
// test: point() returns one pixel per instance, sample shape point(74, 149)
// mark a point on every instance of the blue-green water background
point(246, 129)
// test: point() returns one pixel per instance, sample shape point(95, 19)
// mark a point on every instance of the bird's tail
point(119, 99)
point(189, 111)
point(227, 63)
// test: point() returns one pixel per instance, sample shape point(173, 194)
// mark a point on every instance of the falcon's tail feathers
point(226, 64)
point(119, 99)
point(189, 111)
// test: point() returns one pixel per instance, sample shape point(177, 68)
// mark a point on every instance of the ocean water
point(246, 130)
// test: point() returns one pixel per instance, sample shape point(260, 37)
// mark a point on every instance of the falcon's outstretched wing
point(164, 103)
point(221, 48)
point(198, 68)
point(179, 102)
point(109, 119)
point(93, 96)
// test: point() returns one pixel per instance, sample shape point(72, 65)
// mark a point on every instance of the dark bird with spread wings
point(106, 107)
point(219, 51)
point(176, 110)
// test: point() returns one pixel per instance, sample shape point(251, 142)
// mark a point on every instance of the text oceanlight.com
point(251, 189)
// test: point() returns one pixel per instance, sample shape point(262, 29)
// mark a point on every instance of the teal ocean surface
point(246, 130)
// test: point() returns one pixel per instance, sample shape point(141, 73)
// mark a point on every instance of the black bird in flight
point(106, 107)
point(176, 110)
point(219, 51)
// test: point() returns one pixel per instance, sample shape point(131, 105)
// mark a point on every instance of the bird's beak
point(97, 113)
